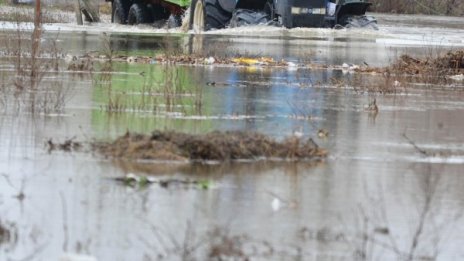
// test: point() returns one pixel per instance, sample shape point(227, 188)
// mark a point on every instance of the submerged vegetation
point(7, 233)
point(33, 61)
point(163, 89)
point(217, 146)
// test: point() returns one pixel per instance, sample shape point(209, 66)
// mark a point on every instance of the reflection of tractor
point(215, 14)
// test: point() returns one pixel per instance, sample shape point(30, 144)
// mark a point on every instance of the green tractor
point(217, 14)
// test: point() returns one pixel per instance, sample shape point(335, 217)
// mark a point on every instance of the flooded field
point(390, 188)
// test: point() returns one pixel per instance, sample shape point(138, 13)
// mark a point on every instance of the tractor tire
point(119, 12)
point(197, 16)
point(208, 14)
point(138, 14)
point(269, 9)
point(245, 17)
point(359, 22)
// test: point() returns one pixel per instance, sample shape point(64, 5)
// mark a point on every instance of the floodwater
point(376, 197)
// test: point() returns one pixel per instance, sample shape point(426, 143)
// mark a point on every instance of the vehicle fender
point(355, 8)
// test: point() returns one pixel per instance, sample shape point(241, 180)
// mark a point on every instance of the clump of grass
point(430, 67)
point(433, 70)
point(218, 146)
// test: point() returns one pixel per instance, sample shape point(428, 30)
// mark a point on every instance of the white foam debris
point(459, 77)
point(210, 60)
point(77, 257)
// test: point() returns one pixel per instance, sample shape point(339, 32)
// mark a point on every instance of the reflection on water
point(376, 196)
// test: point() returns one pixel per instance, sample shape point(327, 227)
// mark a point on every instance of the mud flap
point(244, 17)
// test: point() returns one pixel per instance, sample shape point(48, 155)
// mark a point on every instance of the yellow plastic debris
point(253, 61)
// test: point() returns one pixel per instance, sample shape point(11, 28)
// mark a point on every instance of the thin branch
point(420, 150)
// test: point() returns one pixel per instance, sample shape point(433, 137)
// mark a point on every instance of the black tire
point(215, 17)
point(359, 22)
point(244, 17)
point(269, 9)
point(120, 11)
point(138, 14)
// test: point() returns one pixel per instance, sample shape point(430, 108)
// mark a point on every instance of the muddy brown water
point(375, 184)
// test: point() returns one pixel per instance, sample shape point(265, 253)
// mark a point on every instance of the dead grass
point(406, 71)
point(162, 91)
point(7, 233)
point(217, 146)
point(449, 64)
point(33, 60)
point(432, 7)
point(25, 14)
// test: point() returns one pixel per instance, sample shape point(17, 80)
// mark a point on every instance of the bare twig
point(418, 149)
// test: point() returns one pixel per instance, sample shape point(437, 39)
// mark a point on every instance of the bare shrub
point(432, 7)
point(33, 60)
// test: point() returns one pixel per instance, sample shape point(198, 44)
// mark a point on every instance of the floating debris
point(133, 180)
point(458, 77)
point(275, 204)
point(210, 60)
point(214, 146)
point(77, 257)
point(191, 60)
point(67, 146)
point(321, 133)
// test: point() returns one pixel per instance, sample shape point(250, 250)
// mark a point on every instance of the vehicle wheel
point(197, 16)
point(216, 16)
point(270, 11)
point(243, 17)
point(138, 14)
point(119, 12)
point(208, 14)
point(359, 22)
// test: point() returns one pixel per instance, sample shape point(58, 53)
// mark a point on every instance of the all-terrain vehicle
point(216, 14)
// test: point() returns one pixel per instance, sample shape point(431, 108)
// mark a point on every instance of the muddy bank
point(216, 146)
